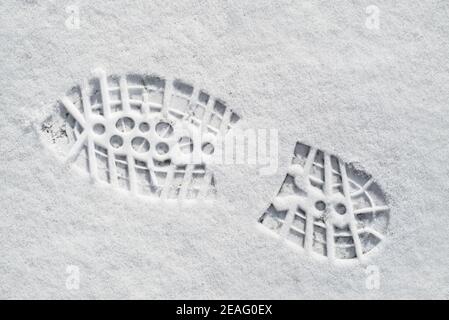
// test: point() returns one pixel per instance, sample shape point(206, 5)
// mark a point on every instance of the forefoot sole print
point(143, 133)
point(328, 207)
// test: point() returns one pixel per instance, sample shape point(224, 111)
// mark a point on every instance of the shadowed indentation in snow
point(143, 133)
point(328, 207)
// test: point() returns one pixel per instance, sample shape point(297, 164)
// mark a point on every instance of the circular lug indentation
point(162, 148)
point(144, 127)
point(125, 124)
point(208, 148)
point(99, 128)
point(164, 129)
point(340, 208)
point(116, 141)
point(140, 144)
point(320, 205)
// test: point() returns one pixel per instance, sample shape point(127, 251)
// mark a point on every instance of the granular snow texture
point(314, 70)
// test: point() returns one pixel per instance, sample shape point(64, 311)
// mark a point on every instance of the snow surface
point(311, 69)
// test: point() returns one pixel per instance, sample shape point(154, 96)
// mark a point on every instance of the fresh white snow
point(317, 71)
